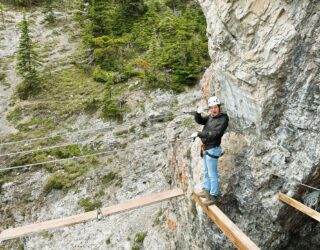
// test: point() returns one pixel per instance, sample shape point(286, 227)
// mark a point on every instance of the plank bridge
point(235, 235)
point(83, 217)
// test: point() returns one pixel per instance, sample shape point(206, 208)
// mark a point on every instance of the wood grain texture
point(238, 238)
point(298, 205)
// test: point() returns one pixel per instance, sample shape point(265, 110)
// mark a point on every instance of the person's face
point(214, 110)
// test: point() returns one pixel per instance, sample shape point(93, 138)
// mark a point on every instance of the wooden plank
point(298, 205)
point(79, 218)
point(140, 202)
point(238, 238)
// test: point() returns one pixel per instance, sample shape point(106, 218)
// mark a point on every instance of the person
point(215, 125)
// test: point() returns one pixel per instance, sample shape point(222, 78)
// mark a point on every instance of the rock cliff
point(265, 68)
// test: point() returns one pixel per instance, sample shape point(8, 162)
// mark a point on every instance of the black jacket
point(213, 130)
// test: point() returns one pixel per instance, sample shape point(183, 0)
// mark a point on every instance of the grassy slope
point(62, 80)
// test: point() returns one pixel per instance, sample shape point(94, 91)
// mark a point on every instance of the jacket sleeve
point(217, 132)
point(199, 119)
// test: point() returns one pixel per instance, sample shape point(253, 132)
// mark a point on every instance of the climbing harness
point(212, 156)
point(203, 152)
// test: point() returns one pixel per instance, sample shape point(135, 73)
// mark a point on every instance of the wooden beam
point(238, 238)
point(79, 218)
point(298, 205)
point(141, 202)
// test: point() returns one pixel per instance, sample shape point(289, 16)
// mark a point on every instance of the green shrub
point(2, 76)
point(170, 116)
point(121, 132)
point(157, 220)
point(89, 205)
point(91, 106)
point(58, 181)
point(66, 178)
point(3, 179)
point(110, 109)
point(65, 152)
point(40, 124)
point(112, 178)
point(145, 135)
point(135, 247)
point(109, 178)
point(28, 159)
point(45, 234)
point(108, 241)
point(129, 71)
point(50, 17)
point(101, 75)
point(177, 87)
point(100, 193)
point(25, 3)
point(132, 129)
point(139, 237)
point(15, 115)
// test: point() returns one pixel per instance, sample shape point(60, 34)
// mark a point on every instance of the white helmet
point(213, 101)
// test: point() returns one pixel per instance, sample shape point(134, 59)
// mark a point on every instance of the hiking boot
point(203, 193)
point(210, 201)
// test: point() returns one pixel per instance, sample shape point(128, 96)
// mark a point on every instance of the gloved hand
point(194, 135)
point(200, 110)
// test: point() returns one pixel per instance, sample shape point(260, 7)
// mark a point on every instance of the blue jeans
point(210, 166)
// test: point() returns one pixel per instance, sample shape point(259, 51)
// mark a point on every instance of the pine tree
point(50, 17)
point(169, 35)
point(133, 8)
point(27, 63)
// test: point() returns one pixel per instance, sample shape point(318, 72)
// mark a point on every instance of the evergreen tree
point(25, 3)
point(132, 8)
point(50, 17)
point(161, 42)
point(27, 63)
